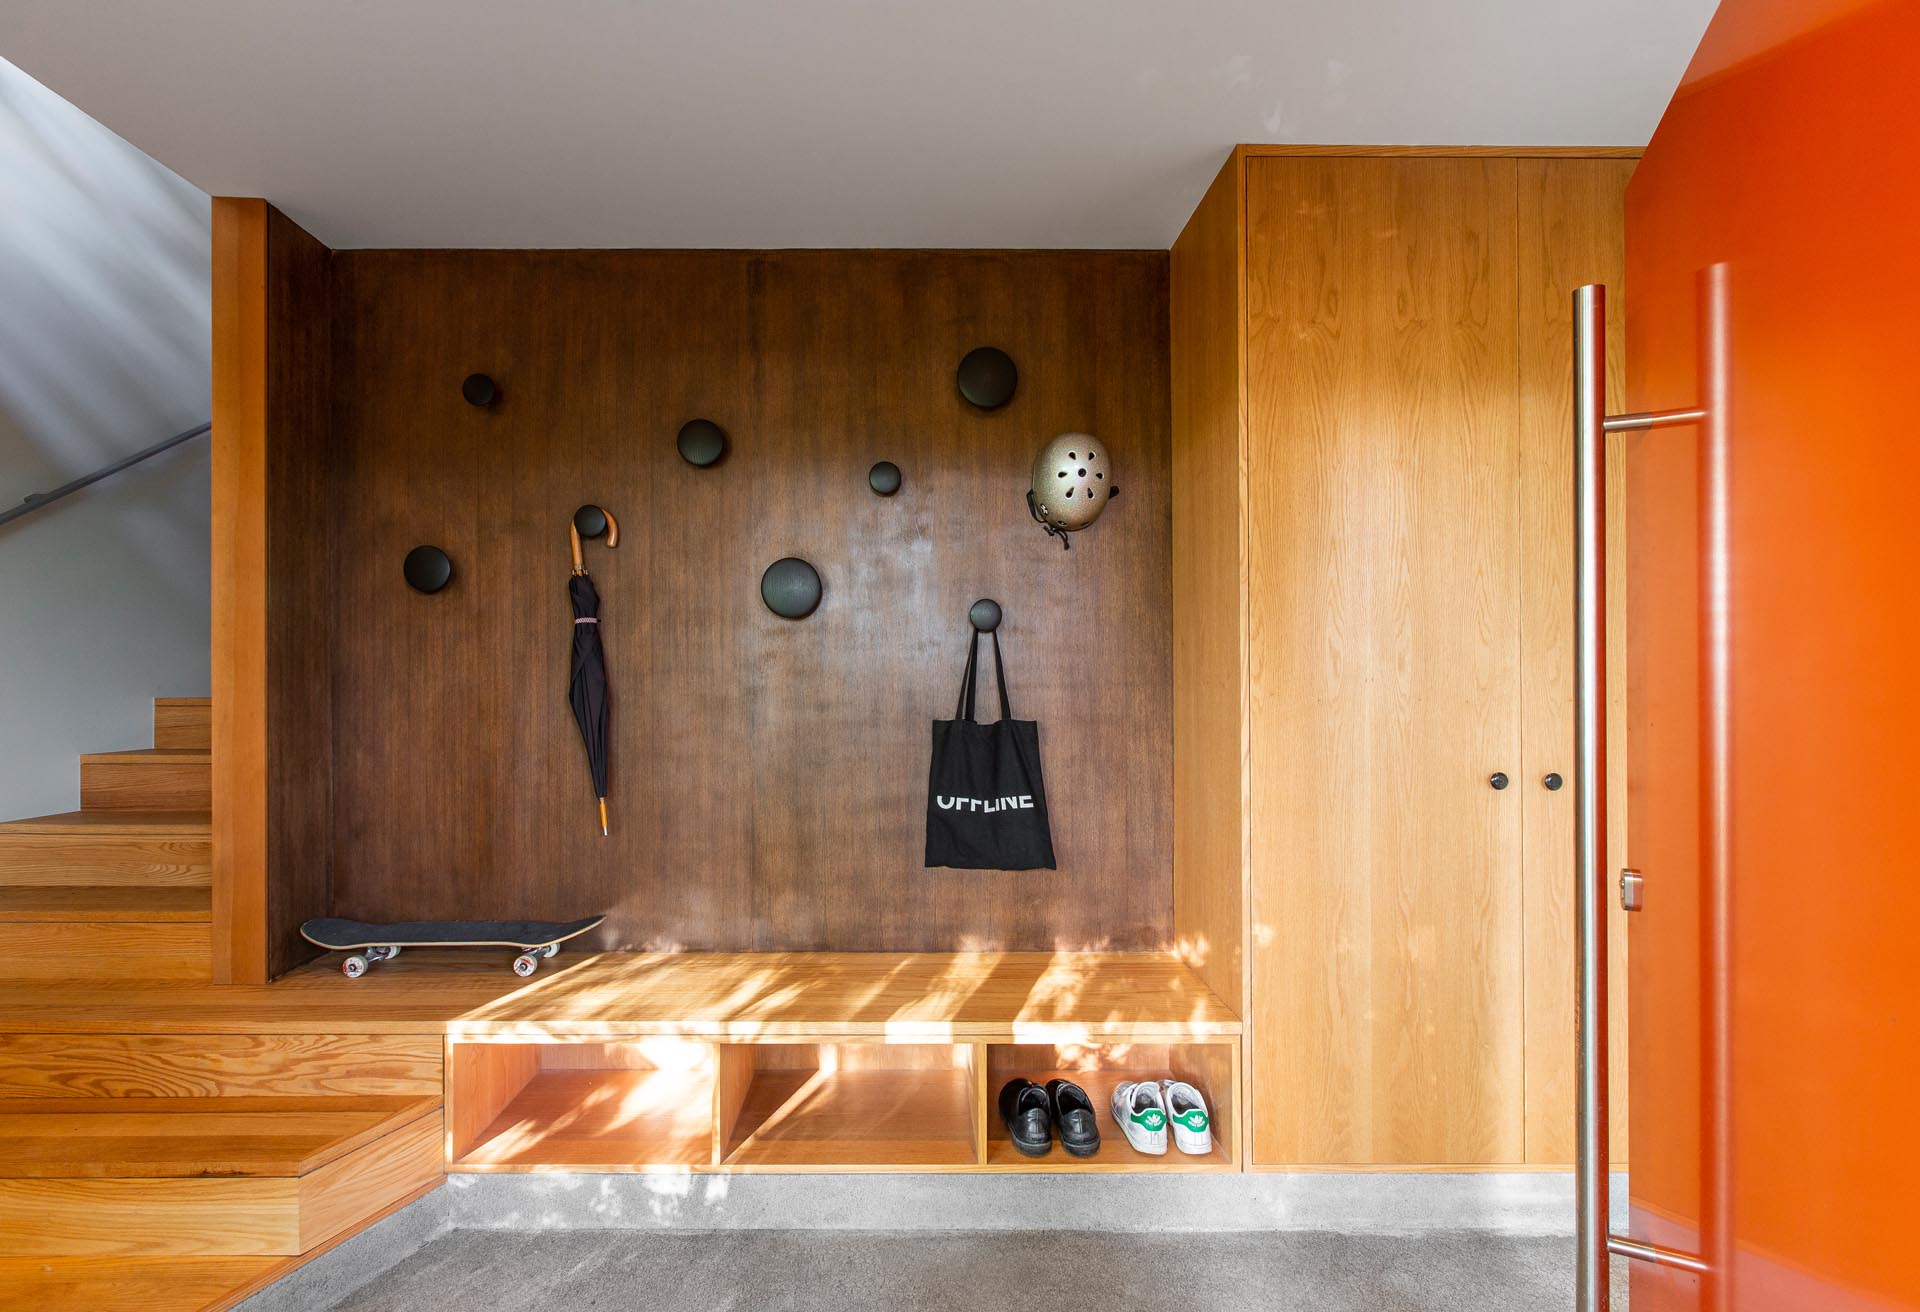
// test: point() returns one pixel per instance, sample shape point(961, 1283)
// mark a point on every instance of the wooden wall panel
point(1384, 661)
point(1210, 835)
point(271, 593)
point(768, 776)
point(1571, 231)
point(300, 616)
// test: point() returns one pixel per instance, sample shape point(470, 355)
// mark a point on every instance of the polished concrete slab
point(1059, 1271)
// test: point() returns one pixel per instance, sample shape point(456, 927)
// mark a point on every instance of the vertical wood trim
point(1571, 231)
point(1211, 837)
point(239, 590)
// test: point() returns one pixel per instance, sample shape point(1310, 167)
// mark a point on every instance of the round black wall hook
point(985, 615)
point(427, 569)
point(479, 389)
point(590, 520)
point(884, 478)
point(791, 588)
point(702, 443)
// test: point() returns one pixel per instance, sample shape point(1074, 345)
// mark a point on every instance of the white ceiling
point(1090, 123)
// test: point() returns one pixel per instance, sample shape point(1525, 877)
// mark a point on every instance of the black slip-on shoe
point(1024, 1111)
point(1073, 1113)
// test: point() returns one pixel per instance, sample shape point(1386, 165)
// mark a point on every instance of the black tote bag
point(986, 805)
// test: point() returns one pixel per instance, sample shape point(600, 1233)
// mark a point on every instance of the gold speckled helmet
point(1072, 483)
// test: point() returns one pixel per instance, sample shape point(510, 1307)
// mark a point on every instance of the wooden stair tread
point(113, 824)
point(150, 756)
point(132, 1284)
point(137, 1138)
point(109, 902)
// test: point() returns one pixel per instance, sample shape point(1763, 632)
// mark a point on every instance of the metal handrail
point(41, 500)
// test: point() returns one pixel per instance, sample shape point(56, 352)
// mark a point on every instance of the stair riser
point(218, 1216)
point(106, 950)
point(218, 1065)
point(47, 861)
point(182, 723)
point(146, 786)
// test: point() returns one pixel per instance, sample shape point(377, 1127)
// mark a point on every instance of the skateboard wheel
point(354, 966)
point(393, 951)
point(525, 964)
point(550, 950)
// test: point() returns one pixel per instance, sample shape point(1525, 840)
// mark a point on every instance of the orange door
point(1790, 156)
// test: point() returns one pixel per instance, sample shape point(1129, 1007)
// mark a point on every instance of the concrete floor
point(835, 1271)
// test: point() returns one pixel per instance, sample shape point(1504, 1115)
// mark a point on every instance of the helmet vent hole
point(1072, 456)
point(1101, 474)
point(1061, 474)
point(1069, 492)
point(1082, 474)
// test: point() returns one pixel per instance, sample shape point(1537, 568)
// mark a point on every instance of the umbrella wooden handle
point(573, 539)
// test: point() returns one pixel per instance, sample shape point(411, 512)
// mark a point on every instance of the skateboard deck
point(368, 943)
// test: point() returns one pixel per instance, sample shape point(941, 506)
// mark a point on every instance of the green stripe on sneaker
point(1151, 1119)
point(1192, 1119)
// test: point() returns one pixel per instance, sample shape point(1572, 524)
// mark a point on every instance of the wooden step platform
point(116, 932)
point(152, 779)
point(217, 1065)
point(134, 1284)
point(998, 997)
point(92, 848)
point(96, 1177)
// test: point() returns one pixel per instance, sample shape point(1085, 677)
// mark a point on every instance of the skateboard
point(366, 944)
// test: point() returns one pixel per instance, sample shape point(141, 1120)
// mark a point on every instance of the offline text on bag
point(986, 805)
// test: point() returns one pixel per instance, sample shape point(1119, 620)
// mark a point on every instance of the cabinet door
point(1572, 231)
point(1384, 648)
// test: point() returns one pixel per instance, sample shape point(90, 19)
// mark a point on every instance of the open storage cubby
point(1212, 1068)
point(617, 1106)
point(793, 1106)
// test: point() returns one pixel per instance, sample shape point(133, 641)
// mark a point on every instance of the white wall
point(104, 328)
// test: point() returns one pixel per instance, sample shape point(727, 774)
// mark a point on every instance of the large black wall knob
point(479, 389)
point(427, 569)
point(985, 615)
point(987, 377)
point(590, 521)
point(884, 478)
point(702, 442)
point(791, 588)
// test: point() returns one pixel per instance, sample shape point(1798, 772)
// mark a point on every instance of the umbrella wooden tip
point(603, 817)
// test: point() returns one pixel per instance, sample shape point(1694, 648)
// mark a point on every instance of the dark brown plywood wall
point(769, 776)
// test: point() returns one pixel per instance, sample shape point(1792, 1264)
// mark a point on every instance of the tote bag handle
point(964, 709)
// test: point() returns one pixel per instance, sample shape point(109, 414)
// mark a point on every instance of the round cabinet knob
point(1553, 782)
point(1498, 779)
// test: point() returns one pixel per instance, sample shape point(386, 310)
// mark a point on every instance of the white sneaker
point(1141, 1113)
point(1187, 1111)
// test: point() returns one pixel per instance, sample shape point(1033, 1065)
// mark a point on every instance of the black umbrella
point(587, 684)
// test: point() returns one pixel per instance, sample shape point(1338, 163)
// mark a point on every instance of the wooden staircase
point(172, 1172)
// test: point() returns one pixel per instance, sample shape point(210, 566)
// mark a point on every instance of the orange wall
point(1790, 155)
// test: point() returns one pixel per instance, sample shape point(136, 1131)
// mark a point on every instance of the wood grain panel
point(142, 849)
point(134, 1218)
point(744, 997)
point(768, 776)
point(183, 722)
point(238, 649)
point(1383, 637)
point(1571, 231)
point(107, 950)
point(161, 1138)
point(211, 1065)
point(122, 1284)
point(350, 1190)
point(301, 617)
point(1210, 836)
point(160, 779)
point(272, 517)
point(1284, 151)
point(482, 1078)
